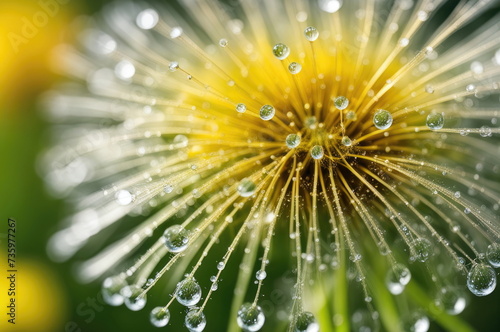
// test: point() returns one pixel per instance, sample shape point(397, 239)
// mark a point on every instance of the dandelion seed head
point(361, 143)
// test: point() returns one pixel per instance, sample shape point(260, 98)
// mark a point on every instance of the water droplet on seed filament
point(281, 51)
point(292, 141)
point(481, 280)
point(306, 322)
point(159, 316)
point(311, 33)
point(294, 68)
point(195, 321)
point(397, 278)
point(435, 121)
point(133, 298)
point(250, 317)
point(267, 112)
point(176, 238)
point(246, 187)
point(317, 152)
point(241, 108)
point(493, 254)
point(341, 102)
point(188, 292)
point(382, 119)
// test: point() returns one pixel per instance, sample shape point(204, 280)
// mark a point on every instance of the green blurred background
point(49, 299)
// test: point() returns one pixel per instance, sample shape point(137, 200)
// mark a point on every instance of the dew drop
point(133, 298)
point(281, 51)
point(173, 66)
point(311, 122)
point(188, 292)
point(294, 68)
point(493, 254)
point(423, 249)
point(481, 280)
point(195, 321)
point(435, 121)
point(159, 316)
point(485, 131)
point(250, 317)
point(267, 112)
point(147, 19)
point(176, 32)
point(261, 275)
point(124, 197)
point(181, 140)
point(124, 70)
point(111, 288)
point(176, 238)
point(311, 33)
point(470, 88)
point(306, 322)
point(221, 265)
point(429, 88)
point(451, 300)
point(351, 115)
point(382, 119)
point(341, 102)
point(246, 187)
point(330, 6)
point(346, 141)
point(317, 152)
point(168, 188)
point(403, 42)
point(223, 42)
point(397, 278)
point(241, 108)
point(417, 322)
point(476, 67)
point(292, 141)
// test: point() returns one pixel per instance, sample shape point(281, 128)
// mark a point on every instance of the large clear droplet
point(493, 254)
point(250, 317)
point(423, 249)
point(241, 108)
point(341, 102)
point(173, 66)
point(195, 321)
point(382, 119)
point(481, 280)
point(451, 300)
point(281, 51)
point(306, 322)
point(417, 322)
point(311, 33)
point(133, 298)
point(346, 141)
point(159, 316)
point(111, 288)
point(397, 278)
point(176, 32)
point(267, 112)
point(124, 70)
point(435, 121)
point(124, 197)
point(292, 141)
point(188, 292)
point(176, 238)
point(147, 19)
point(317, 152)
point(294, 68)
point(246, 187)
point(330, 6)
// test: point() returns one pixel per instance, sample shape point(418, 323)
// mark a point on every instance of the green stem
point(340, 300)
